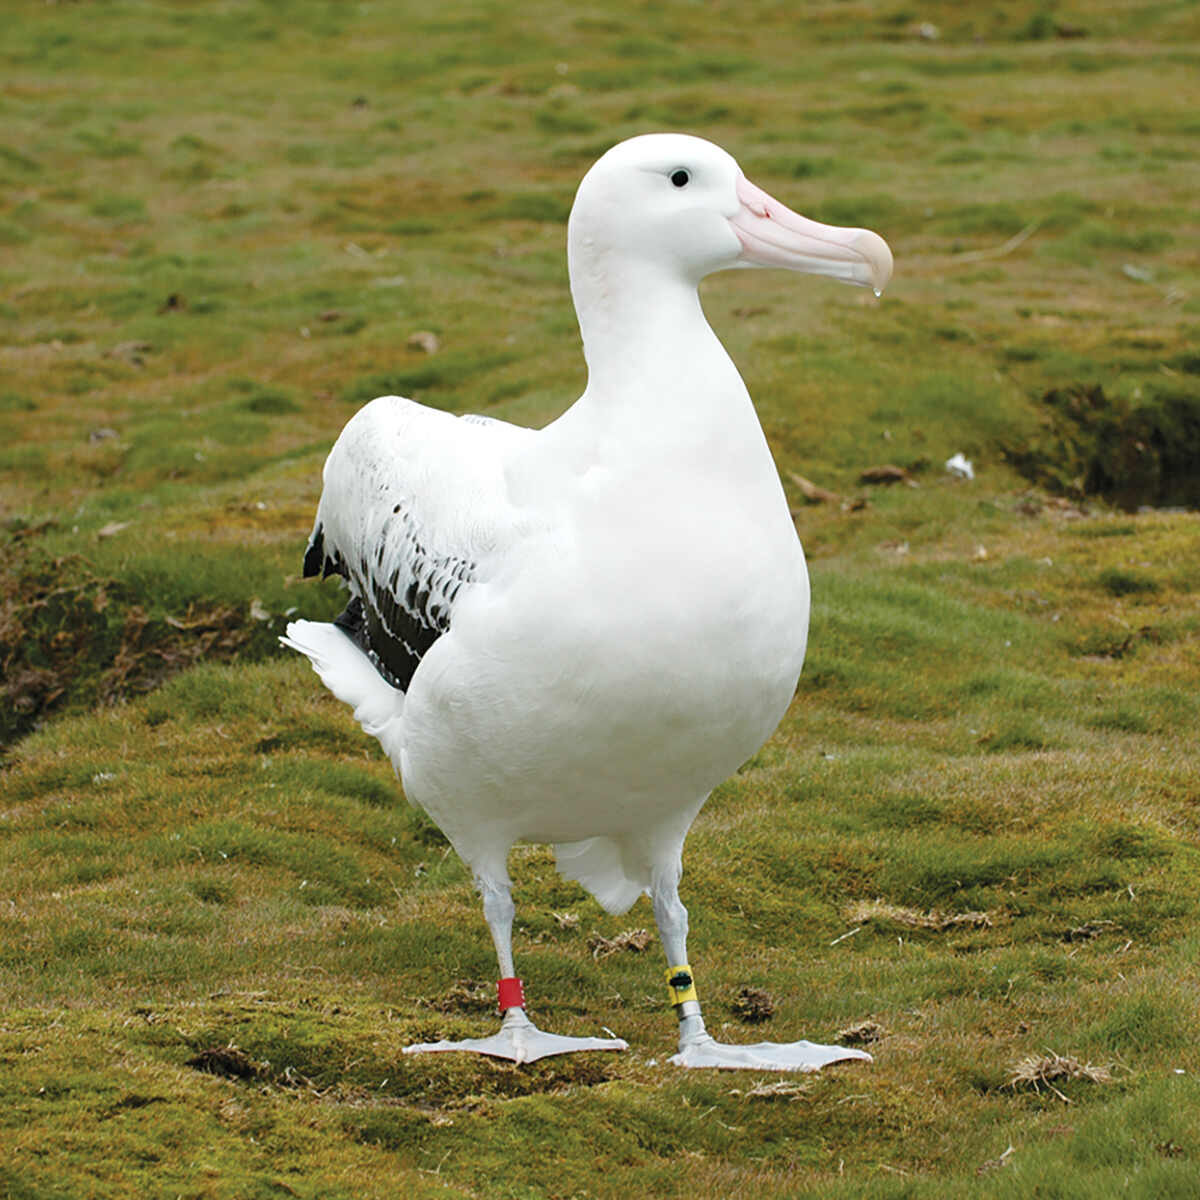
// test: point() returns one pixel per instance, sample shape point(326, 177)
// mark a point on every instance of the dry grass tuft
point(631, 939)
point(780, 1089)
point(880, 911)
point(995, 1164)
point(466, 995)
point(753, 1005)
point(861, 1033)
point(1089, 930)
point(1041, 1070)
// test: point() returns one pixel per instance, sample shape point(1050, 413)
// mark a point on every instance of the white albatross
point(571, 635)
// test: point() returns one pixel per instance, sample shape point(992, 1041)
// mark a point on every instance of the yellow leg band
point(680, 984)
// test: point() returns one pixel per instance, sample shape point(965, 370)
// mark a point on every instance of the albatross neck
point(648, 345)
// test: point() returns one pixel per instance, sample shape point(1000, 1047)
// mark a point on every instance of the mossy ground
point(220, 225)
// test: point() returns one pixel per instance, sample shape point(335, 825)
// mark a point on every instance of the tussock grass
point(975, 834)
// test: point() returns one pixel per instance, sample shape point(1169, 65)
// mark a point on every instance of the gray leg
point(672, 920)
point(498, 913)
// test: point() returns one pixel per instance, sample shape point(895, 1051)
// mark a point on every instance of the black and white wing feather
point(414, 508)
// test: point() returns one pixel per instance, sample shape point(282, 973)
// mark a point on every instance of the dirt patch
point(227, 1061)
point(69, 634)
point(1131, 453)
point(153, 649)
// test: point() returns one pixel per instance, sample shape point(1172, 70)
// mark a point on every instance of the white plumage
point(572, 635)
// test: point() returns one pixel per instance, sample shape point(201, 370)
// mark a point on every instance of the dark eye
point(682, 177)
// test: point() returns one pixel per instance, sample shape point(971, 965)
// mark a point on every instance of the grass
point(975, 834)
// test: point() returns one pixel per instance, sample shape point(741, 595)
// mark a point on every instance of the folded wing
point(414, 509)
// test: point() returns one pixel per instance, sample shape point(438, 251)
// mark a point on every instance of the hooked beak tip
point(877, 258)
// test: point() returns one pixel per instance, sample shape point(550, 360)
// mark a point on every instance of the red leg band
point(510, 993)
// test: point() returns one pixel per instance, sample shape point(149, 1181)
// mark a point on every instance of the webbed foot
point(705, 1051)
point(520, 1041)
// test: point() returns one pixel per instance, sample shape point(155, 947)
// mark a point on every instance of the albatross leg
point(519, 1039)
point(696, 1047)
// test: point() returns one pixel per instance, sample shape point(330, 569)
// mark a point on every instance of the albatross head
point(684, 203)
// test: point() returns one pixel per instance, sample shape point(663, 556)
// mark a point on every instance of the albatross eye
point(681, 178)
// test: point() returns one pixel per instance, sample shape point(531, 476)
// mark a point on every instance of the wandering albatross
point(571, 635)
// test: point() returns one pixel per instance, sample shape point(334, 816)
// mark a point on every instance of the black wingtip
point(352, 620)
point(314, 556)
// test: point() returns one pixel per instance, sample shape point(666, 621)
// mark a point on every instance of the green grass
point(221, 224)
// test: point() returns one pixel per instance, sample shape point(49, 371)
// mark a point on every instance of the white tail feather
point(351, 676)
